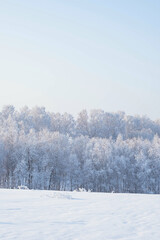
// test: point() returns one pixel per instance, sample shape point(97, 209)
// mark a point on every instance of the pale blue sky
point(80, 54)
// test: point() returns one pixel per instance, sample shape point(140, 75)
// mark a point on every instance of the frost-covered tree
point(100, 151)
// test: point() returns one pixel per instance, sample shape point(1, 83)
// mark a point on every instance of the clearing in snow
point(53, 215)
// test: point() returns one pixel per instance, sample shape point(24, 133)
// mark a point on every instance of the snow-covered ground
point(50, 215)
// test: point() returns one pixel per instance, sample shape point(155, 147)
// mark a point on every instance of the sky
point(81, 54)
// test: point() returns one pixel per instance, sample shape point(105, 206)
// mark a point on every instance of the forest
point(100, 151)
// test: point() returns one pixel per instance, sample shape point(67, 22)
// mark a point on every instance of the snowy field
point(50, 215)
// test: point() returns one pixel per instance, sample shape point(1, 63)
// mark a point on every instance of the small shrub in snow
point(82, 190)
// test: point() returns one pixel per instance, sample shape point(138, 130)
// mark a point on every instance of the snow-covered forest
point(98, 150)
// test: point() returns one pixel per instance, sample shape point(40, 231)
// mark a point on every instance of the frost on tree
point(99, 151)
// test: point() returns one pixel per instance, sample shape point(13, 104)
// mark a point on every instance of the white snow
point(50, 215)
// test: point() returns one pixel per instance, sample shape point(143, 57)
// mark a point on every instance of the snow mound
point(23, 187)
point(58, 195)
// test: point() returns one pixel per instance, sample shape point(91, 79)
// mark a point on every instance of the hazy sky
point(81, 54)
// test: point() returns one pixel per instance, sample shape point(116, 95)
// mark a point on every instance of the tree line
point(100, 151)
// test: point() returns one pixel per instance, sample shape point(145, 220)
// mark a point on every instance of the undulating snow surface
point(50, 215)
